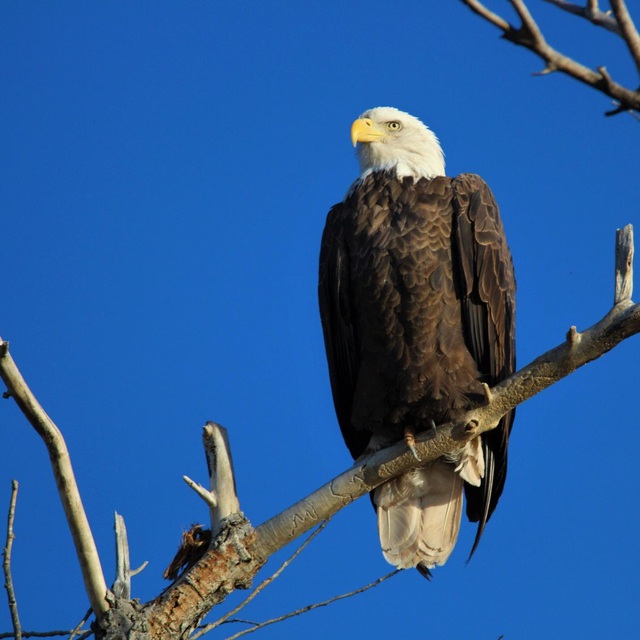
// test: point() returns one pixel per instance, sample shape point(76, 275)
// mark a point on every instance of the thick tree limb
point(530, 36)
point(94, 581)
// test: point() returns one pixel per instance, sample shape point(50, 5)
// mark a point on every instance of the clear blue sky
point(165, 173)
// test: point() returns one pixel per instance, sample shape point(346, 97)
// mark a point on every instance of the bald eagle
point(417, 300)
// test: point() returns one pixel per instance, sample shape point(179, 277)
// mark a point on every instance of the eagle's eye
point(394, 125)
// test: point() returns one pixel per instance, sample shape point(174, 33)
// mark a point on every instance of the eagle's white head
point(392, 139)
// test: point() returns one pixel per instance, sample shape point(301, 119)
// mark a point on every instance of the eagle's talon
point(471, 426)
point(410, 439)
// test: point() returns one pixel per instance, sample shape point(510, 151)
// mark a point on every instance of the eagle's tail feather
point(419, 515)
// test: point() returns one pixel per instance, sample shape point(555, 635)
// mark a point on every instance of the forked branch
point(530, 36)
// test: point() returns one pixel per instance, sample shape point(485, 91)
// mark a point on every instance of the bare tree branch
point(591, 12)
point(94, 581)
point(627, 29)
point(530, 36)
point(6, 563)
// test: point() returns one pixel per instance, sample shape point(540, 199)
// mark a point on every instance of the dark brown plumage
point(417, 304)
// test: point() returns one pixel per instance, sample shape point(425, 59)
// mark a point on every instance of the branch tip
point(208, 496)
point(140, 569)
point(549, 68)
point(624, 265)
point(573, 336)
point(122, 583)
point(222, 481)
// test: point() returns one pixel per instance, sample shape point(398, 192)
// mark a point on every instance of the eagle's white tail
point(419, 512)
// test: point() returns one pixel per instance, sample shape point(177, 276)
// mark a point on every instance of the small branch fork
point(221, 498)
point(530, 36)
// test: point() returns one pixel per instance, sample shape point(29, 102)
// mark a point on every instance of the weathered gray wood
point(624, 265)
point(223, 483)
point(122, 583)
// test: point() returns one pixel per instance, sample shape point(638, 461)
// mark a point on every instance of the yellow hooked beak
point(363, 130)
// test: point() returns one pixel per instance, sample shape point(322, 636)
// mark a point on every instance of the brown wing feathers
point(487, 289)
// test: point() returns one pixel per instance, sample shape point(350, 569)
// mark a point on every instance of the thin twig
point(489, 16)
point(205, 494)
point(142, 567)
point(590, 12)
point(79, 630)
point(6, 563)
point(262, 586)
point(311, 607)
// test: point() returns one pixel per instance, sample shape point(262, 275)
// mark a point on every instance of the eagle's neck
point(417, 160)
point(421, 168)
